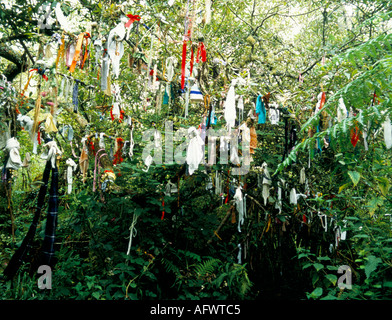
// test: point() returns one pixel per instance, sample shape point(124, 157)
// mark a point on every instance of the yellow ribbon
point(60, 53)
point(49, 124)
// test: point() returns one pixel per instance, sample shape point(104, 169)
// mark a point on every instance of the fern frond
point(170, 266)
point(207, 267)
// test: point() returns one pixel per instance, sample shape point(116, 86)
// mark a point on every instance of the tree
point(314, 166)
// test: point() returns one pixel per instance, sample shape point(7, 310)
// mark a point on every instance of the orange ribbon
point(322, 101)
point(61, 51)
point(78, 49)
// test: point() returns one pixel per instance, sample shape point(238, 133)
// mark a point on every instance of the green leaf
point(354, 176)
point(96, 295)
point(332, 278)
point(374, 204)
point(341, 188)
point(325, 258)
point(383, 184)
point(315, 278)
point(362, 235)
point(318, 266)
point(316, 293)
point(371, 265)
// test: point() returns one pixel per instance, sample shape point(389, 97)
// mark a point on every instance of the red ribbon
point(374, 99)
point(201, 53)
point(163, 211)
point(117, 157)
point(322, 101)
point(192, 58)
point(354, 136)
point(39, 137)
point(183, 64)
point(86, 36)
point(41, 72)
point(132, 19)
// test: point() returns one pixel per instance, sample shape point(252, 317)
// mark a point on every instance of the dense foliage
point(186, 244)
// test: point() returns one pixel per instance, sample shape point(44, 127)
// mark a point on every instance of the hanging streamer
point(186, 38)
point(387, 133)
point(260, 110)
point(274, 115)
point(239, 201)
point(118, 151)
point(354, 136)
point(342, 111)
point(183, 63)
point(302, 177)
point(71, 167)
point(207, 11)
point(83, 160)
point(293, 196)
point(131, 142)
point(14, 161)
point(51, 152)
point(115, 47)
point(201, 53)
point(229, 107)
point(195, 152)
point(239, 256)
point(77, 55)
point(148, 163)
point(266, 182)
point(240, 106)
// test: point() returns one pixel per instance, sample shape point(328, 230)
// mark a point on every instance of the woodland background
point(292, 50)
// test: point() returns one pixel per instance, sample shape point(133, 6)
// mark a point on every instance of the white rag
point(230, 113)
point(342, 110)
point(293, 196)
point(302, 176)
point(71, 167)
point(25, 122)
point(266, 182)
point(116, 47)
point(52, 151)
point(194, 154)
point(239, 202)
point(387, 132)
point(14, 160)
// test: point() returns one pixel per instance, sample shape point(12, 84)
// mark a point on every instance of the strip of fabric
point(51, 219)
point(78, 49)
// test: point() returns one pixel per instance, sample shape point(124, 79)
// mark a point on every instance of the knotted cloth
point(14, 161)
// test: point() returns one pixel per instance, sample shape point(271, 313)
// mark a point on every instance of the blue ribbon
point(260, 110)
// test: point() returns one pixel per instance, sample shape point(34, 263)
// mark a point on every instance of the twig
point(221, 224)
